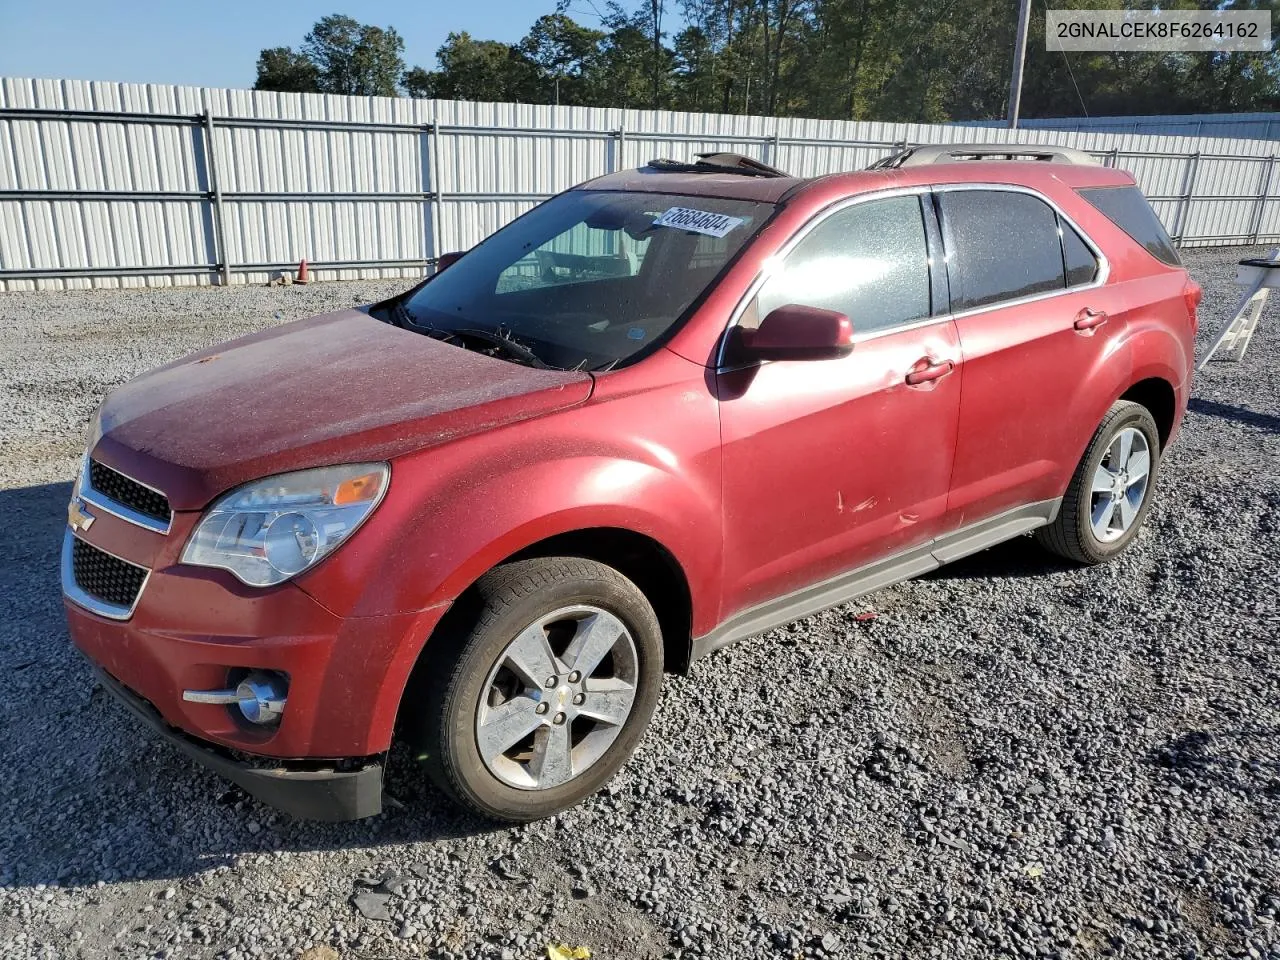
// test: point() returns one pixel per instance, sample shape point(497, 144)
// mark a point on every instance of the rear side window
point(1128, 209)
point(1001, 245)
point(869, 262)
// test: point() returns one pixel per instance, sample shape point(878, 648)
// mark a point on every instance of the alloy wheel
point(557, 697)
point(1120, 485)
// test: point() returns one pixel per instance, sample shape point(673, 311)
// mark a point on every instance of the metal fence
point(130, 185)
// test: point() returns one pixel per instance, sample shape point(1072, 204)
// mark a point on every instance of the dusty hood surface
point(337, 388)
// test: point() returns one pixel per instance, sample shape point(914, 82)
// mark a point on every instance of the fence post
point(435, 185)
point(427, 171)
point(221, 259)
point(1264, 187)
point(1188, 194)
point(1113, 158)
point(774, 144)
point(620, 138)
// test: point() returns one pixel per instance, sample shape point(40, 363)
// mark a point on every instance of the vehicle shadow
point(1019, 557)
point(1227, 411)
point(90, 795)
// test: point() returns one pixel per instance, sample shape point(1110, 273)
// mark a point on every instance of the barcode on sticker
point(698, 221)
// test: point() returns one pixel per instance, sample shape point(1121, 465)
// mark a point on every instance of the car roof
point(1036, 175)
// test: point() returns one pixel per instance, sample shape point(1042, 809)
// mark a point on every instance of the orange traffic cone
point(304, 275)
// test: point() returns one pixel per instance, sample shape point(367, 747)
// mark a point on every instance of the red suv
point(661, 411)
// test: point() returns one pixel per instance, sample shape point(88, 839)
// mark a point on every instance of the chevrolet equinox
point(661, 411)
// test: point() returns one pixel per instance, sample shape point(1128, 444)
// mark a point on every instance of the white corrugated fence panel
point(485, 177)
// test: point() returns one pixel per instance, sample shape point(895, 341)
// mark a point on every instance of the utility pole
point(1019, 57)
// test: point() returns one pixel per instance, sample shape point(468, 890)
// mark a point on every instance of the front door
point(831, 464)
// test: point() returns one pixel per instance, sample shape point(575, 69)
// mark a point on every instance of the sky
point(216, 44)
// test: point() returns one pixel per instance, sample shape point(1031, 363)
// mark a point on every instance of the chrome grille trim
point(117, 509)
point(72, 591)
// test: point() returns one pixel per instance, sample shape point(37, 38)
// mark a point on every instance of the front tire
point(1111, 490)
point(542, 691)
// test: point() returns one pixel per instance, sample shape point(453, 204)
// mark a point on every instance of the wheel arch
point(640, 558)
point(646, 563)
point(1158, 396)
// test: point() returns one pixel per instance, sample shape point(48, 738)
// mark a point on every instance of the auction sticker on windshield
point(698, 221)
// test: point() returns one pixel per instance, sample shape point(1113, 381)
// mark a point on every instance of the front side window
point(588, 279)
point(1001, 245)
point(869, 261)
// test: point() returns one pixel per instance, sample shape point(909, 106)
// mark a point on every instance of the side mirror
point(795, 332)
point(448, 259)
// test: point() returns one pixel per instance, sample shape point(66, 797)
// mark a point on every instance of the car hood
point(338, 388)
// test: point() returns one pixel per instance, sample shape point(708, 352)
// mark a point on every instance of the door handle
point(927, 370)
point(1088, 319)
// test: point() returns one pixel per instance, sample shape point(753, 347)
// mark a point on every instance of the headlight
point(270, 530)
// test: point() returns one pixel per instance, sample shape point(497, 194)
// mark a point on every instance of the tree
point(354, 58)
point(339, 55)
point(894, 60)
point(566, 55)
point(473, 69)
point(284, 69)
point(418, 82)
point(636, 68)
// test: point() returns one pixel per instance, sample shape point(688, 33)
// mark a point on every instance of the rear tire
point(572, 728)
point(1111, 490)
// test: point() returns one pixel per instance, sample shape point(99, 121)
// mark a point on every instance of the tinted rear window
point(1003, 246)
point(1128, 209)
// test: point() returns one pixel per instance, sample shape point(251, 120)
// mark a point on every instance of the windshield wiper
point(499, 339)
point(513, 349)
point(401, 316)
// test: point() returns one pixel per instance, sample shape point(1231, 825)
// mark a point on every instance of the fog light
point(261, 697)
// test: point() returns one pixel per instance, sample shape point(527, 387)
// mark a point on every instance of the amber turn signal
point(358, 489)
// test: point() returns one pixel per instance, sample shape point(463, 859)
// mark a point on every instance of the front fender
point(647, 461)
point(509, 513)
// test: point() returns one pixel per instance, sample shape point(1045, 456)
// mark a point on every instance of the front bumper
point(191, 627)
point(312, 794)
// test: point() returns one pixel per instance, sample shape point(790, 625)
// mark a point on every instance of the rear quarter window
point(1128, 209)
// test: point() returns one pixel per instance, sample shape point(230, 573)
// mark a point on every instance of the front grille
point(104, 577)
point(129, 492)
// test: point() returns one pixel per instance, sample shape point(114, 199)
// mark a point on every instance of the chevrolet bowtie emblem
point(78, 517)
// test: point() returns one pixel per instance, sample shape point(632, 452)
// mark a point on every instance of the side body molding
point(878, 575)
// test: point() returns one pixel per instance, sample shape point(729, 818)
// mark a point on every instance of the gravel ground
point(1011, 758)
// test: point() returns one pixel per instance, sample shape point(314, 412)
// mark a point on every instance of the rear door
point(831, 464)
point(1033, 326)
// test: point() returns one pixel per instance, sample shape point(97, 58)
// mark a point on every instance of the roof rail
point(953, 152)
point(719, 163)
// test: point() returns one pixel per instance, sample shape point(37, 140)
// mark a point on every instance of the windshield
point(587, 279)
